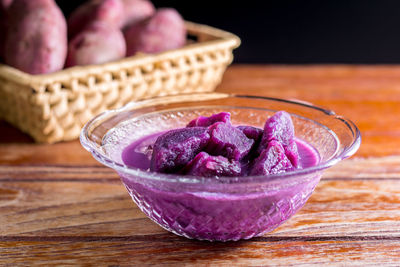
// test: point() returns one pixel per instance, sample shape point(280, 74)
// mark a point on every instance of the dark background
point(310, 31)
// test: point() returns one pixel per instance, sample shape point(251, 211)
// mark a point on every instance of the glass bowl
point(225, 208)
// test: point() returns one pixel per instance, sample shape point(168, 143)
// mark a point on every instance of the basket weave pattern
point(54, 107)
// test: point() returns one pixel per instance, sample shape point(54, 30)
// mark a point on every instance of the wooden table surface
point(59, 206)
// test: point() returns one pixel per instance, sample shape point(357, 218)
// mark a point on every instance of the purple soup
point(138, 154)
point(219, 151)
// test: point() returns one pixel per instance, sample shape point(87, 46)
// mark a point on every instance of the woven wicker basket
point(53, 107)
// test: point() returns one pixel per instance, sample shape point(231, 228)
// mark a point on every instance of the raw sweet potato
point(36, 40)
point(163, 31)
point(109, 11)
point(98, 43)
point(136, 10)
point(5, 4)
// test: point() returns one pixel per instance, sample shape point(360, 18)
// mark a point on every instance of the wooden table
point(59, 206)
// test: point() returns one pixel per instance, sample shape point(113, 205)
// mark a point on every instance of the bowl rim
point(94, 149)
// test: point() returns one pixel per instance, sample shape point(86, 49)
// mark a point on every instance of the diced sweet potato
point(98, 43)
point(108, 11)
point(272, 160)
point(280, 128)
point(36, 40)
point(251, 132)
point(136, 11)
point(176, 148)
point(202, 121)
point(228, 141)
point(208, 166)
point(163, 31)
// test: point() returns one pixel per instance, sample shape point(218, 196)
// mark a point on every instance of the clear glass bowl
point(227, 208)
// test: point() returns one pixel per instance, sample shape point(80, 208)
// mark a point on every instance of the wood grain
point(163, 250)
point(365, 203)
point(356, 219)
point(58, 206)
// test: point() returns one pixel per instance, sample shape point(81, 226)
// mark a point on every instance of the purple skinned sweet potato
point(163, 31)
point(36, 40)
point(136, 11)
point(107, 11)
point(176, 148)
point(228, 141)
point(5, 4)
point(206, 165)
point(272, 160)
point(279, 127)
point(98, 43)
point(202, 121)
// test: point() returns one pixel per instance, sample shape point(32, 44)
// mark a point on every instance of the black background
point(352, 31)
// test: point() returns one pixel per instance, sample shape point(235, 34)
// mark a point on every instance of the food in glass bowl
point(213, 147)
point(219, 207)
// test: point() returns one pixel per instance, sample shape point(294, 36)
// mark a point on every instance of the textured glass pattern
point(227, 208)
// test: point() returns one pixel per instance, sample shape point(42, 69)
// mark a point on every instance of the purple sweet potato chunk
point(174, 149)
point(280, 128)
point(206, 165)
point(272, 160)
point(251, 132)
point(293, 154)
point(254, 134)
point(202, 121)
point(228, 141)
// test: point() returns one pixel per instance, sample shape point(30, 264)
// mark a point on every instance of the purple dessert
point(272, 160)
point(228, 141)
point(208, 166)
point(201, 121)
point(254, 151)
point(174, 149)
point(212, 147)
point(280, 128)
point(291, 151)
point(251, 132)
